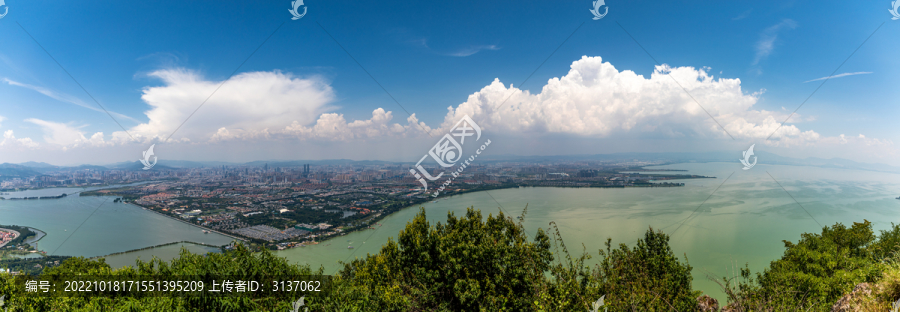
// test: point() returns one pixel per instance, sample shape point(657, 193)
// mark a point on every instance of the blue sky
point(430, 56)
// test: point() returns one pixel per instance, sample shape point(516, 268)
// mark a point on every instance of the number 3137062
point(296, 285)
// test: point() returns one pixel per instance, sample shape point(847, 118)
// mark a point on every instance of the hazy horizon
point(711, 157)
point(381, 83)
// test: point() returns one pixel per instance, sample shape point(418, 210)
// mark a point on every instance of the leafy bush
point(818, 270)
point(471, 263)
point(646, 277)
point(239, 264)
point(464, 265)
point(467, 264)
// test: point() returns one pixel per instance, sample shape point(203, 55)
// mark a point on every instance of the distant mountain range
point(31, 168)
point(10, 171)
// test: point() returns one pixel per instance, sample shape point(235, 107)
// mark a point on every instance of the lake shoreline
point(742, 220)
point(185, 222)
point(440, 197)
point(152, 247)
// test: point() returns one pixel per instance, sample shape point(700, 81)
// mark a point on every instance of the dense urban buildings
point(292, 204)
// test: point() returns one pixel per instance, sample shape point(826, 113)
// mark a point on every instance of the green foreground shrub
point(472, 263)
point(467, 264)
point(238, 264)
point(818, 270)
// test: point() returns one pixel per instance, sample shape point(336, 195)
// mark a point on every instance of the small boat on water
point(898, 197)
point(349, 247)
point(205, 232)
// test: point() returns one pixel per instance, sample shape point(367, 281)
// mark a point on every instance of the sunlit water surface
point(103, 227)
point(743, 222)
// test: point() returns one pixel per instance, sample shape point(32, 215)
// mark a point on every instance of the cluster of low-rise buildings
point(7, 236)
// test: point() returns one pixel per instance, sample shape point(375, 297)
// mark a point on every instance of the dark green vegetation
point(819, 269)
point(473, 263)
point(124, 194)
point(32, 266)
point(470, 265)
point(239, 264)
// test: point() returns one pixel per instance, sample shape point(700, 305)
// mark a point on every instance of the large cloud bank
point(594, 100)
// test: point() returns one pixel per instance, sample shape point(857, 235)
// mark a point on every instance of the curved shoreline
point(188, 223)
point(38, 233)
point(501, 187)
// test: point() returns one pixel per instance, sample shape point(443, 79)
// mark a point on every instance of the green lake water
point(166, 253)
point(743, 222)
point(103, 227)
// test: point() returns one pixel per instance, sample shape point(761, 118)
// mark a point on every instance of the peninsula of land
point(287, 207)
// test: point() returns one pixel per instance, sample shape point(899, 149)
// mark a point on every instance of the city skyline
point(303, 95)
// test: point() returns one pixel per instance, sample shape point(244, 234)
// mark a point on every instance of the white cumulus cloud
point(66, 135)
point(9, 140)
point(248, 102)
point(333, 127)
point(592, 100)
point(595, 99)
